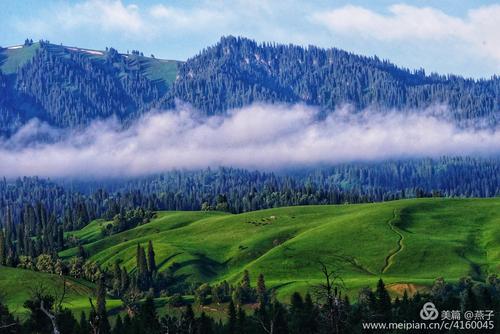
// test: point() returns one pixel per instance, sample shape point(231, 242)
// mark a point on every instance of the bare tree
point(39, 293)
point(329, 297)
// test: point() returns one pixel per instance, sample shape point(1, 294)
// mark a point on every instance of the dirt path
point(392, 254)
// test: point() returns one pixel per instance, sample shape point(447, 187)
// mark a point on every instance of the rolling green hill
point(17, 285)
point(404, 242)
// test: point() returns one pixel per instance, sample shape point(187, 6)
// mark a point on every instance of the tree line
point(35, 213)
point(326, 309)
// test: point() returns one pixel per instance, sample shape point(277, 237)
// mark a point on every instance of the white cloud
point(410, 36)
point(479, 30)
point(194, 19)
point(106, 16)
point(259, 136)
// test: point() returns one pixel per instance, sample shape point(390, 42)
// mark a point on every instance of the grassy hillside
point(16, 286)
point(158, 70)
point(409, 241)
point(12, 59)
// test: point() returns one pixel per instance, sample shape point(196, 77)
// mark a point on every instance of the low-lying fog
point(257, 137)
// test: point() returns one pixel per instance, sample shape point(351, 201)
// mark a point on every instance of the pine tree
point(151, 258)
point(298, 319)
point(232, 321)
point(125, 281)
point(117, 278)
point(279, 318)
point(311, 314)
point(103, 322)
point(83, 324)
point(3, 257)
point(246, 289)
point(261, 290)
point(148, 317)
point(142, 269)
point(241, 321)
point(383, 300)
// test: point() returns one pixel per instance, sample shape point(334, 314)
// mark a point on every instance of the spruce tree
point(3, 257)
point(261, 290)
point(298, 319)
point(383, 300)
point(246, 289)
point(142, 269)
point(125, 281)
point(232, 321)
point(103, 322)
point(148, 317)
point(241, 321)
point(151, 258)
point(83, 324)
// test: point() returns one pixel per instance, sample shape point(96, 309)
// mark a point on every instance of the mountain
point(70, 87)
point(238, 71)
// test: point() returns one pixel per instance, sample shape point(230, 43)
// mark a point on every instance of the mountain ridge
point(71, 87)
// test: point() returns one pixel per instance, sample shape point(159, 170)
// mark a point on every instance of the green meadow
point(18, 285)
point(408, 243)
point(404, 242)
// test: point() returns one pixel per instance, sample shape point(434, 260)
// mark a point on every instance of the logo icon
point(429, 311)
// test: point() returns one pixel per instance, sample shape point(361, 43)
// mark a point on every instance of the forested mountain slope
point(238, 71)
point(69, 87)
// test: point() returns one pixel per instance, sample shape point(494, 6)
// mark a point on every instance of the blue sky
point(461, 37)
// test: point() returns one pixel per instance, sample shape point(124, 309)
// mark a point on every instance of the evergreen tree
point(246, 289)
point(142, 269)
point(232, 320)
point(261, 290)
point(151, 258)
point(102, 314)
point(298, 316)
point(125, 281)
point(383, 300)
point(241, 321)
point(148, 317)
point(83, 324)
point(3, 257)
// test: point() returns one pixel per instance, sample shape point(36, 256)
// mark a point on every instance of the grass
point(160, 71)
point(12, 59)
point(17, 285)
point(408, 241)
